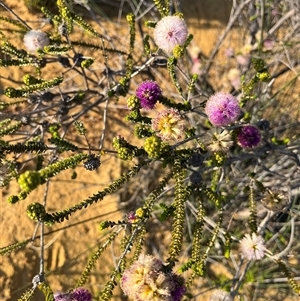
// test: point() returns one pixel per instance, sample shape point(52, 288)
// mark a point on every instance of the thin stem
point(12, 12)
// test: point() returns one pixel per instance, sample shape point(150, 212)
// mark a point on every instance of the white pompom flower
point(220, 295)
point(253, 247)
point(169, 32)
point(35, 39)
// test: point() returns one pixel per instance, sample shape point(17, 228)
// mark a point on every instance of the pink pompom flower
point(222, 109)
point(169, 32)
point(249, 136)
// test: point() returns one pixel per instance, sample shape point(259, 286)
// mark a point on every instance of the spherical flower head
point(168, 125)
point(178, 288)
point(157, 287)
point(220, 295)
point(217, 140)
point(253, 247)
point(222, 109)
point(249, 136)
point(81, 294)
point(35, 40)
point(275, 200)
point(148, 93)
point(169, 32)
point(136, 275)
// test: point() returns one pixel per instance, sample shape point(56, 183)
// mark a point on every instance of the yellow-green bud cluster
point(124, 149)
point(219, 158)
point(29, 180)
point(178, 51)
point(36, 211)
point(263, 76)
point(141, 131)
point(133, 102)
point(152, 146)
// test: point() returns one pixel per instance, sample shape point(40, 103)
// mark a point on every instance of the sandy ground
point(67, 250)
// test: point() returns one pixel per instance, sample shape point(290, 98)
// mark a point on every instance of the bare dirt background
point(69, 245)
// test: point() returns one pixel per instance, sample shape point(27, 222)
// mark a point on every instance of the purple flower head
point(222, 109)
point(35, 39)
point(169, 32)
point(249, 136)
point(178, 288)
point(148, 93)
point(81, 294)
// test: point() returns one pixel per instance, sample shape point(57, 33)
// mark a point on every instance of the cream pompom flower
point(35, 40)
point(136, 276)
point(147, 280)
point(169, 32)
point(220, 295)
point(218, 140)
point(253, 247)
point(168, 125)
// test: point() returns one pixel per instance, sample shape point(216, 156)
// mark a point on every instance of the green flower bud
point(13, 199)
point(178, 51)
point(263, 76)
point(125, 153)
point(133, 102)
point(219, 158)
point(29, 180)
point(36, 211)
point(152, 146)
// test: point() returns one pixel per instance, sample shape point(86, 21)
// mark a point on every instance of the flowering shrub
point(209, 174)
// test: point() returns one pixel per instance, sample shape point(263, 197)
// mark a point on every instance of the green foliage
point(27, 295)
point(172, 62)
point(10, 128)
point(45, 288)
point(25, 91)
point(13, 247)
point(181, 195)
point(60, 216)
point(94, 258)
point(162, 6)
point(30, 147)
